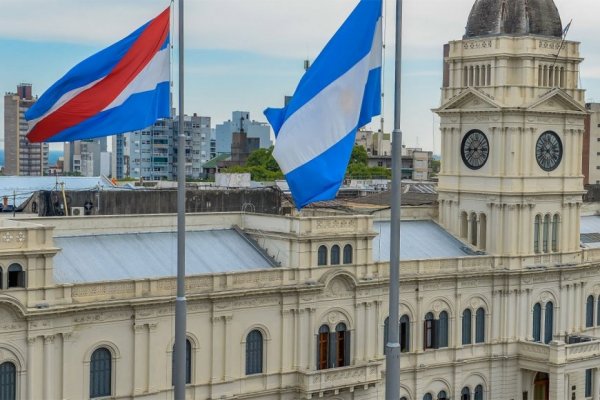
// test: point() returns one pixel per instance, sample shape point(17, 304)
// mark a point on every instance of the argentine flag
point(340, 93)
point(122, 88)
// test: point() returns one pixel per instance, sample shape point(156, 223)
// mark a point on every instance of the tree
point(359, 155)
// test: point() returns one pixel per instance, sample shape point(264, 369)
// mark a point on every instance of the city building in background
point(591, 145)
point(87, 157)
point(153, 151)
point(376, 143)
point(20, 156)
point(240, 121)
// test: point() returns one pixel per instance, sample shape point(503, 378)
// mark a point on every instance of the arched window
point(188, 363)
point(386, 324)
point(335, 254)
point(536, 234)
point(546, 232)
point(254, 353)
point(16, 276)
point(428, 396)
point(403, 398)
point(442, 395)
point(549, 322)
point(537, 322)
point(342, 357)
point(480, 326)
point(348, 254)
point(589, 312)
point(323, 347)
point(8, 381)
point(429, 332)
point(443, 340)
point(466, 327)
point(100, 373)
point(555, 231)
point(322, 255)
point(404, 333)
point(465, 394)
point(1, 275)
point(478, 392)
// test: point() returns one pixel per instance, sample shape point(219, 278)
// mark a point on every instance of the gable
point(470, 100)
point(556, 101)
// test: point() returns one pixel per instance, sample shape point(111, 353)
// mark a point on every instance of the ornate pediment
point(556, 100)
point(470, 100)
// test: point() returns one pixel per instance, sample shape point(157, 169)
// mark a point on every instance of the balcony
point(339, 379)
point(558, 353)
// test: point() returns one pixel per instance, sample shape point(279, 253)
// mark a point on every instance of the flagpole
point(180, 302)
point(392, 378)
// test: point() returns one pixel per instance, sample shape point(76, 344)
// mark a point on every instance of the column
point(419, 318)
point(519, 308)
point(562, 310)
point(510, 306)
point(444, 150)
point(530, 314)
point(49, 367)
point(216, 349)
point(303, 340)
point(543, 323)
point(496, 139)
point(140, 366)
point(576, 315)
point(153, 376)
point(368, 329)
point(312, 356)
point(557, 383)
point(496, 317)
point(228, 352)
point(287, 342)
point(31, 386)
point(469, 228)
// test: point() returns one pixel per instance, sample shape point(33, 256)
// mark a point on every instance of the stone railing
point(582, 351)
point(340, 378)
point(534, 351)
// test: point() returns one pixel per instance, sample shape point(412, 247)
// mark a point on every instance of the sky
point(248, 54)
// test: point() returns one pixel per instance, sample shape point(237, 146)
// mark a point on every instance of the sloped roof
point(418, 240)
point(96, 258)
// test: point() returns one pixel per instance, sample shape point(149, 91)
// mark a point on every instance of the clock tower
point(512, 122)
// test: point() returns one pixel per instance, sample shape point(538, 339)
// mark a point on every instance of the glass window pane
point(589, 312)
point(537, 322)
point(480, 326)
point(443, 334)
point(8, 381)
point(479, 392)
point(254, 353)
point(100, 373)
point(335, 255)
point(549, 323)
point(466, 327)
point(322, 256)
point(347, 254)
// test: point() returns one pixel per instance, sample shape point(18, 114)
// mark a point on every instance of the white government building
point(500, 290)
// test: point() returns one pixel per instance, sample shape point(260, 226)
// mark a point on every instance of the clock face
point(548, 151)
point(475, 149)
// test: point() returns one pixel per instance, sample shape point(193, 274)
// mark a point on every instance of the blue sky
point(246, 55)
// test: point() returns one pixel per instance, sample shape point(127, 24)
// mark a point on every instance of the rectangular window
point(588, 383)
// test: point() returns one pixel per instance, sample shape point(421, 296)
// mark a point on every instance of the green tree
point(359, 155)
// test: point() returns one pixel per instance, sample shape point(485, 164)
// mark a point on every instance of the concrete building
point(241, 120)
point(500, 283)
point(20, 156)
point(85, 157)
point(375, 143)
point(591, 145)
point(416, 163)
point(153, 151)
point(120, 156)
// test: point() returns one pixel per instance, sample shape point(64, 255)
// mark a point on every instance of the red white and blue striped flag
point(119, 89)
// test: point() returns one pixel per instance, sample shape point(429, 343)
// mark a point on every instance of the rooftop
point(514, 17)
point(110, 257)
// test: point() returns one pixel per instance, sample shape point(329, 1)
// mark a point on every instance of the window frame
point(467, 337)
point(105, 374)
point(480, 325)
point(347, 254)
point(254, 356)
point(589, 311)
point(334, 255)
point(537, 322)
point(8, 380)
point(322, 255)
point(20, 276)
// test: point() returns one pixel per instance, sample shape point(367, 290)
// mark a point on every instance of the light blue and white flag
point(340, 93)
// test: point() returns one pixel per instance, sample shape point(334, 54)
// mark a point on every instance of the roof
point(590, 231)
point(96, 258)
point(213, 162)
point(514, 17)
point(25, 186)
point(418, 240)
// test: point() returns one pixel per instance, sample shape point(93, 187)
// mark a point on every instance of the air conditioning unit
point(77, 211)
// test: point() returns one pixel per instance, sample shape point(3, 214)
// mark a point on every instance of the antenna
point(306, 64)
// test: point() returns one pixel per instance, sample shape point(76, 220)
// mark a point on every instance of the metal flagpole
point(392, 375)
point(180, 302)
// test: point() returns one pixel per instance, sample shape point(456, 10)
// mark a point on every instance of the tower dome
point(514, 17)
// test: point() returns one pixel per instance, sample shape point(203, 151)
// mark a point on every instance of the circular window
point(475, 149)
point(548, 151)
